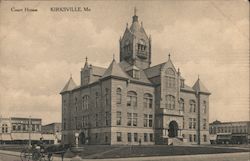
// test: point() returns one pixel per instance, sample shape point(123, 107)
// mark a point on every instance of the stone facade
point(131, 102)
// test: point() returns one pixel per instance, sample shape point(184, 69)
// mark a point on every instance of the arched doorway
point(173, 129)
point(82, 138)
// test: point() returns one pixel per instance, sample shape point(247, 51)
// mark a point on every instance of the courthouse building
point(132, 102)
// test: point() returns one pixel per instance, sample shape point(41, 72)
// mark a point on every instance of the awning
point(224, 137)
point(5, 137)
point(48, 136)
point(25, 136)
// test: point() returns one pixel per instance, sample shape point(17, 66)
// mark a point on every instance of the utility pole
point(29, 131)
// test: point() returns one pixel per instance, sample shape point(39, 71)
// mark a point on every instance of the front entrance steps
point(176, 141)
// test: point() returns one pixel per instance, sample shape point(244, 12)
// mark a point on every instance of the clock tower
point(135, 45)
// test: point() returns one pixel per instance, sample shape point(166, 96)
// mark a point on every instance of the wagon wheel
point(36, 156)
point(46, 157)
point(25, 155)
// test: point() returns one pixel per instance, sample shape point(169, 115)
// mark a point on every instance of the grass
point(105, 151)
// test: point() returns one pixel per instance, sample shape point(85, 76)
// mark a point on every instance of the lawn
point(105, 151)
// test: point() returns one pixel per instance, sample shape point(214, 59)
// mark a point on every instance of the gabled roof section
point(98, 71)
point(69, 85)
point(199, 87)
point(114, 70)
point(187, 88)
point(153, 71)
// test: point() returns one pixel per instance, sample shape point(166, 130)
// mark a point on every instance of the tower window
point(170, 102)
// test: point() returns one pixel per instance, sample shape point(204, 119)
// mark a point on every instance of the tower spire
point(135, 17)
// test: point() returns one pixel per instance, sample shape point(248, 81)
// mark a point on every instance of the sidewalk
point(242, 156)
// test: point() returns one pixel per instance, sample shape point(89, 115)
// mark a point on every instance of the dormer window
point(136, 74)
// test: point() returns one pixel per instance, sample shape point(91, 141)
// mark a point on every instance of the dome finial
point(86, 59)
point(169, 56)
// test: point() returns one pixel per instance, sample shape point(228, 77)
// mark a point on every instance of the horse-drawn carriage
point(43, 153)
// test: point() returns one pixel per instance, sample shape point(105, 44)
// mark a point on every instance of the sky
point(39, 50)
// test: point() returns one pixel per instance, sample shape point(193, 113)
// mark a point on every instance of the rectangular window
point(96, 120)
point(135, 119)
point(205, 138)
point(118, 98)
point(145, 137)
point(204, 123)
point(129, 119)
point(119, 136)
point(150, 103)
point(150, 121)
point(151, 137)
point(194, 123)
point(194, 138)
point(145, 120)
point(135, 137)
point(190, 123)
point(106, 118)
point(129, 137)
point(129, 101)
point(190, 138)
point(14, 127)
point(118, 118)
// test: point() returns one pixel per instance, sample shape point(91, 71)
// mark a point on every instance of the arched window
point(131, 99)
point(170, 78)
point(182, 104)
point(118, 96)
point(192, 106)
point(204, 107)
point(170, 102)
point(148, 100)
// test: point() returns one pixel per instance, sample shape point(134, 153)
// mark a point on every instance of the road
point(207, 157)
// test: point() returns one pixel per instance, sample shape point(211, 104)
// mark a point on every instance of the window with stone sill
point(192, 106)
point(118, 96)
point(119, 136)
point(132, 99)
point(170, 102)
point(147, 100)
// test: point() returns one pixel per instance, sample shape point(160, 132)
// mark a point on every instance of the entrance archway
point(82, 138)
point(173, 129)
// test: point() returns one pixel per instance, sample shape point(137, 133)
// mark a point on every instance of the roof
point(199, 87)
point(132, 67)
point(69, 85)
point(98, 70)
point(187, 88)
point(114, 70)
point(153, 71)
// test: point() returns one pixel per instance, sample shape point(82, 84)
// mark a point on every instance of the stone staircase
point(176, 141)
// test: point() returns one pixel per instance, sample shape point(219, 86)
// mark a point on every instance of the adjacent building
point(20, 130)
point(132, 102)
point(17, 130)
point(230, 132)
point(53, 129)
